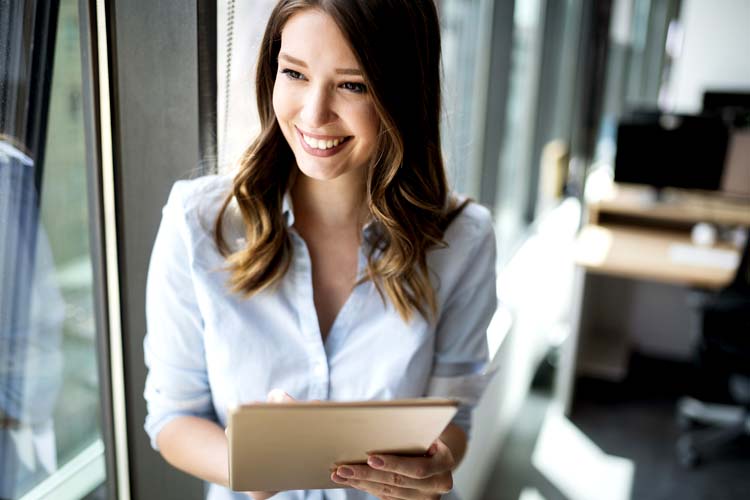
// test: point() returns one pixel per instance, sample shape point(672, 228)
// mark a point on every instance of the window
point(515, 162)
point(463, 36)
point(50, 425)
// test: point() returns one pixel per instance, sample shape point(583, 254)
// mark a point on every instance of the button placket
point(305, 303)
point(319, 385)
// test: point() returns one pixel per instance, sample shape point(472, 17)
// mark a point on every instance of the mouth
point(322, 146)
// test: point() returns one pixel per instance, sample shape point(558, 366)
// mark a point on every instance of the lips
point(322, 153)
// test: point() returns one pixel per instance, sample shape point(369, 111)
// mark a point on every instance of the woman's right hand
point(275, 396)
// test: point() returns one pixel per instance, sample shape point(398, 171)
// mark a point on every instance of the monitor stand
point(652, 196)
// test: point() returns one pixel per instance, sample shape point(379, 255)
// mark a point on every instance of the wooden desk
point(676, 208)
point(640, 253)
point(632, 238)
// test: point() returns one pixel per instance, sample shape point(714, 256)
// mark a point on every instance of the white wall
point(715, 51)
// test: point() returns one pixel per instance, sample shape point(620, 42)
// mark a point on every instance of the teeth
point(321, 144)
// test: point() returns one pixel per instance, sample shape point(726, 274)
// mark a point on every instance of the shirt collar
point(287, 209)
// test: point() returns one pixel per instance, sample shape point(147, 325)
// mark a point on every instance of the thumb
point(279, 396)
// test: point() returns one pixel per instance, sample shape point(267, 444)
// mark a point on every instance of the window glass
point(515, 161)
point(460, 21)
point(49, 387)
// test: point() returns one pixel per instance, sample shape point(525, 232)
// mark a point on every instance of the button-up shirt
point(208, 349)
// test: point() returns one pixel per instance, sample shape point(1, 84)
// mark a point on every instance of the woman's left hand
point(393, 476)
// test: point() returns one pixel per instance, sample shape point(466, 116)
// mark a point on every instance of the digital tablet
point(296, 445)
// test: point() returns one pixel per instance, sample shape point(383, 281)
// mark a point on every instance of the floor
point(619, 444)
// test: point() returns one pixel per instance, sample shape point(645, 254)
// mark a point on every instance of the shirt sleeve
point(177, 381)
point(461, 353)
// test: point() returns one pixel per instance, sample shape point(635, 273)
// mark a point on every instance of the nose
point(317, 110)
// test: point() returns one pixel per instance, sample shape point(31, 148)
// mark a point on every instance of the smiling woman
point(339, 267)
point(395, 123)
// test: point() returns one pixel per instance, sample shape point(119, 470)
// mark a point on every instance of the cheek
point(368, 122)
point(285, 100)
point(278, 103)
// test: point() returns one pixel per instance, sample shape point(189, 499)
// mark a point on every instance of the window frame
point(146, 87)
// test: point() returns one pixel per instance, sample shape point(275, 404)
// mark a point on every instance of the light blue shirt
point(208, 349)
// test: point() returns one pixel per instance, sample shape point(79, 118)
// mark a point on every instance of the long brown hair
point(397, 44)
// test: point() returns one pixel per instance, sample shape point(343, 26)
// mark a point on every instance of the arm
point(180, 438)
point(180, 420)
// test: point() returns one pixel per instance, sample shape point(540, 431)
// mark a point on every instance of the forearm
point(455, 438)
point(196, 446)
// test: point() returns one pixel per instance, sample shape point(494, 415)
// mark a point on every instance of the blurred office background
point(104, 104)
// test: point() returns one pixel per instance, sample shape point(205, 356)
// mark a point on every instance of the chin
point(319, 172)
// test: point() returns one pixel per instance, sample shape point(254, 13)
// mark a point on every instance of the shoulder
point(469, 247)
point(470, 228)
point(467, 260)
point(200, 194)
point(195, 204)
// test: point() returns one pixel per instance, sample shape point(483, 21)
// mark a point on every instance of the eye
point(293, 75)
point(357, 88)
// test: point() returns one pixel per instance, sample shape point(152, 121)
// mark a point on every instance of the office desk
point(645, 253)
point(675, 208)
point(633, 239)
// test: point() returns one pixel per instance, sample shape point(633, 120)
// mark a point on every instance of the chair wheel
point(687, 455)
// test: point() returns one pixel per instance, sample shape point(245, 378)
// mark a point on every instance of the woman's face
point(321, 102)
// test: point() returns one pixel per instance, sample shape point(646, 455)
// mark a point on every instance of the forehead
point(312, 33)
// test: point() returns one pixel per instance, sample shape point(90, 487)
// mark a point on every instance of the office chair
point(724, 362)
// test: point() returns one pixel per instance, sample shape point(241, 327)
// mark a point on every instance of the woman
point(334, 265)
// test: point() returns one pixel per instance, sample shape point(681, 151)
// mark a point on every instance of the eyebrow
point(299, 62)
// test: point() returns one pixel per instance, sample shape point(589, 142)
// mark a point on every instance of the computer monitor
point(681, 151)
point(715, 101)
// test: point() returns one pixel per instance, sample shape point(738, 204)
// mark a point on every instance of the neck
point(336, 203)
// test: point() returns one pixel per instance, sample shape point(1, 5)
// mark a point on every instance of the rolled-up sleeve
point(177, 382)
point(461, 353)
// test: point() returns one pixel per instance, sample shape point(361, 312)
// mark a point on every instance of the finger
point(432, 449)
point(415, 467)
point(279, 396)
point(439, 483)
point(381, 490)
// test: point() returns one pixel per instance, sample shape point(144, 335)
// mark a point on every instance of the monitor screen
point(715, 101)
point(678, 151)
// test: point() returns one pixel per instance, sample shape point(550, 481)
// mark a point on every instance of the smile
point(321, 145)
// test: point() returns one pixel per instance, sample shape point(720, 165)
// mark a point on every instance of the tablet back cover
point(295, 446)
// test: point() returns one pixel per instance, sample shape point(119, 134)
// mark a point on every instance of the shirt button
point(319, 370)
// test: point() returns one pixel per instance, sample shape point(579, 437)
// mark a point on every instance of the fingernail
point(345, 472)
point(376, 462)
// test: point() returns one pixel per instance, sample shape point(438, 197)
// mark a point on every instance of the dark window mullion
point(207, 85)
point(44, 35)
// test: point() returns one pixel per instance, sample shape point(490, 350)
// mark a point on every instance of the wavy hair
point(397, 44)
